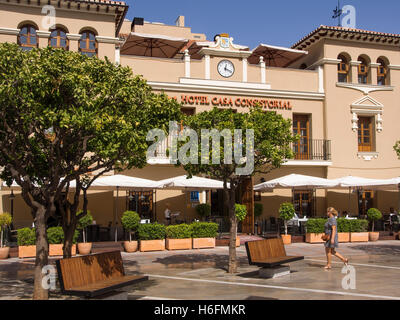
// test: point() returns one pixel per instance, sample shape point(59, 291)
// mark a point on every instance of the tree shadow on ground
point(198, 261)
point(379, 249)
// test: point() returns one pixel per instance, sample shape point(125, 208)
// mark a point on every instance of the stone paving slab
point(201, 275)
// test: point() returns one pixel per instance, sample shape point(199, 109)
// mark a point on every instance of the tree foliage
point(65, 115)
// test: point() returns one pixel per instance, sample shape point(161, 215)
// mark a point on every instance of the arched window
point(58, 39)
point(382, 73)
point(27, 37)
point(343, 69)
point(363, 71)
point(88, 44)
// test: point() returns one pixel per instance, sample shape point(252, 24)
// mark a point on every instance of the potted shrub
point(55, 237)
point(84, 247)
point(179, 237)
point(152, 237)
point(374, 215)
point(204, 234)
point(203, 210)
point(26, 240)
point(130, 221)
point(286, 213)
point(258, 211)
point(359, 230)
point(343, 229)
point(315, 230)
point(5, 221)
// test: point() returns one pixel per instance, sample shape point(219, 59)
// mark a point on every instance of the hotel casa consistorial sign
point(226, 101)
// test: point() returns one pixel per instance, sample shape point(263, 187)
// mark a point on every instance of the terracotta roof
point(119, 3)
point(321, 29)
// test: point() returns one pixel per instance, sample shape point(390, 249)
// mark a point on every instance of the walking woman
point(331, 241)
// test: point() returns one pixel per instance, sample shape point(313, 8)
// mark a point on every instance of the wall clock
point(226, 68)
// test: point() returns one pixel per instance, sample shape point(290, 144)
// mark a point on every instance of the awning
point(358, 182)
point(194, 183)
point(294, 181)
point(150, 45)
point(275, 56)
point(121, 182)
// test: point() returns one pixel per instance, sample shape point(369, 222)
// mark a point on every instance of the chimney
point(180, 21)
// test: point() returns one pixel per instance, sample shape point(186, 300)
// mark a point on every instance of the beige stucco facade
point(308, 86)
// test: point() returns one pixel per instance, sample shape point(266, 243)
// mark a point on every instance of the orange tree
point(243, 144)
point(64, 115)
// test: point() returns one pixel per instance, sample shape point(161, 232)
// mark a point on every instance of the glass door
point(301, 126)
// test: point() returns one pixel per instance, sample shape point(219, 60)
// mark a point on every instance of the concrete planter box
point(178, 244)
point(314, 238)
point(54, 250)
point(57, 250)
point(202, 243)
point(286, 238)
point(344, 237)
point(225, 242)
point(152, 245)
point(359, 236)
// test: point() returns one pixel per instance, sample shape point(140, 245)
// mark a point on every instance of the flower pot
point(4, 251)
point(314, 238)
point(286, 238)
point(344, 236)
point(202, 243)
point(178, 244)
point(26, 251)
point(84, 248)
point(131, 246)
point(359, 236)
point(373, 236)
point(152, 245)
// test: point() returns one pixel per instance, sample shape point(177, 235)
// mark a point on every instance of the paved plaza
point(201, 275)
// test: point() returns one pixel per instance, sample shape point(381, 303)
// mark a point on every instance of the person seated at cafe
point(392, 211)
point(167, 214)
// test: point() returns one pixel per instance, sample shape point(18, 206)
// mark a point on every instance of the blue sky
point(274, 22)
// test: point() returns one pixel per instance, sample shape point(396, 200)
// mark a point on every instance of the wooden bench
point(269, 254)
point(94, 275)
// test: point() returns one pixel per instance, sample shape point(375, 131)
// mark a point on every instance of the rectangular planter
point(26, 251)
point(202, 243)
point(54, 250)
point(314, 237)
point(344, 236)
point(359, 237)
point(225, 242)
point(178, 244)
point(152, 245)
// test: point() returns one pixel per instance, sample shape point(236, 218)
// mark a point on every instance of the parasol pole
point(116, 213)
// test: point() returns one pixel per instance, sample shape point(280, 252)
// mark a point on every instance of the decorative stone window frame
point(367, 106)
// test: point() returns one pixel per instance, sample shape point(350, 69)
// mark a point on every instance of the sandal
point(346, 263)
point(327, 267)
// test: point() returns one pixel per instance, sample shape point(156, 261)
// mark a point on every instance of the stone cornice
point(43, 34)
point(394, 67)
point(225, 53)
point(71, 36)
point(9, 31)
point(365, 88)
point(112, 40)
point(324, 61)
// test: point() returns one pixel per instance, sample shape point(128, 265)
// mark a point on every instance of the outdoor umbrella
point(150, 45)
point(195, 183)
point(275, 56)
point(294, 181)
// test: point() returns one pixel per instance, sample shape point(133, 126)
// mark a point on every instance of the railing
point(312, 149)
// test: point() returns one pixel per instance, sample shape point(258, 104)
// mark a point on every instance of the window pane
point(92, 45)
point(63, 43)
point(91, 36)
point(33, 40)
point(53, 42)
point(82, 44)
point(23, 40)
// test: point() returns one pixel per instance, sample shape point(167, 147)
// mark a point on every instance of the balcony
point(308, 152)
point(312, 150)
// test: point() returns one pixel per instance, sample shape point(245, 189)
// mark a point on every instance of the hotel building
point(339, 87)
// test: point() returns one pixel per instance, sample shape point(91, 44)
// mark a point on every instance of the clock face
point(226, 68)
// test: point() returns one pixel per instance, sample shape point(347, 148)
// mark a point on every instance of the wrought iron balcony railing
point(312, 149)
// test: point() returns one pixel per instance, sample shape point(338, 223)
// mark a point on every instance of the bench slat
point(98, 288)
point(272, 262)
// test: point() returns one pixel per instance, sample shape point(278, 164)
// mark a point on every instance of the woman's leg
point(337, 254)
point(328, 257)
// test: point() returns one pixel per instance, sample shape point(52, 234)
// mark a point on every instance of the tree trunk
point(42, 253)
point(69, 232)
point(285, 222)
point(230, 203)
